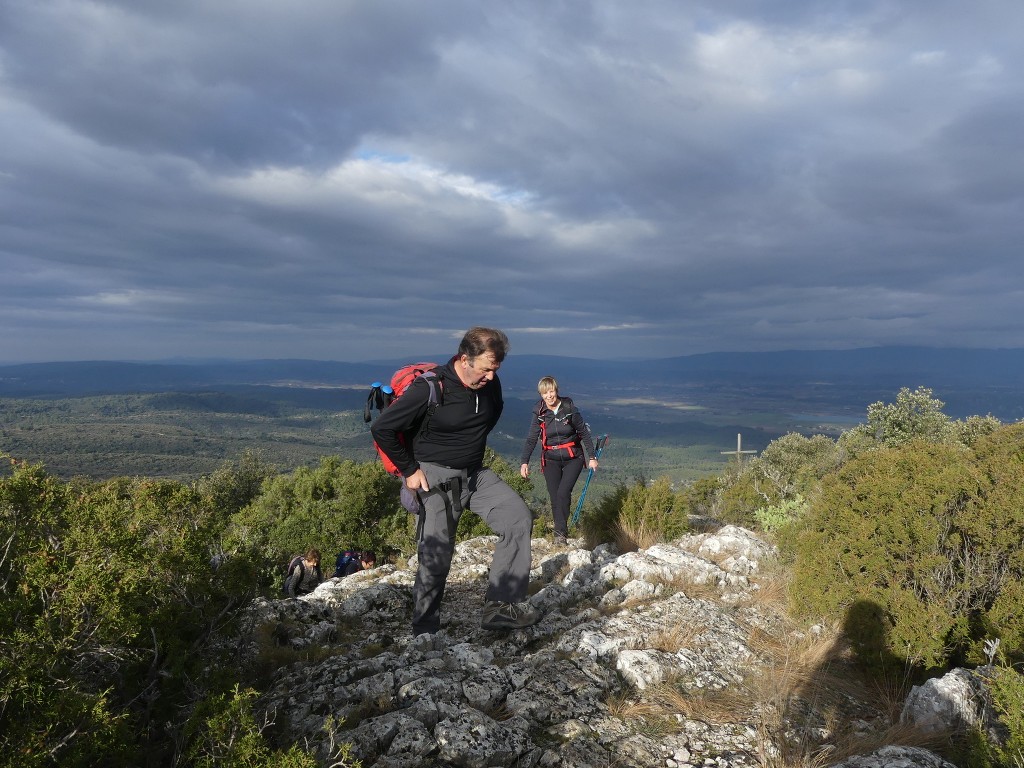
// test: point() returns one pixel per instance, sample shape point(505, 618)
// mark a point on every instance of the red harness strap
point(545, 447)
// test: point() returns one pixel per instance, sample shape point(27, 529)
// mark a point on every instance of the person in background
point(305, 575)
point(440, 453)
point(566, 444)
point(363, 562)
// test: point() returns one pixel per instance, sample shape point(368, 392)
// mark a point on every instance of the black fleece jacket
point(567, 426)
point(455, 435)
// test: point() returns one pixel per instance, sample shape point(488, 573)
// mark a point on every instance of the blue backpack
point(343, 561)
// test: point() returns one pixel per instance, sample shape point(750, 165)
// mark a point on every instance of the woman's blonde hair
point(547, 384)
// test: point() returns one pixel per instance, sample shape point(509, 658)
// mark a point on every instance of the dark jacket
point(454, 436)
point(566, 428)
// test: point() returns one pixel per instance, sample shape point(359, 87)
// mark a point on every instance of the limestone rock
point(624, 668)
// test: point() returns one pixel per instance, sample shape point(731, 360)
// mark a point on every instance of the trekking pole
point(602, 441)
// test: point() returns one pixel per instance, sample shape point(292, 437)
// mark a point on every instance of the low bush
point(110, 616)
point(917, 549)
point(654, 508)
point(334, 506)
point(1006, 686)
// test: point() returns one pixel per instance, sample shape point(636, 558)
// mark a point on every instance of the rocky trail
point(678, 655)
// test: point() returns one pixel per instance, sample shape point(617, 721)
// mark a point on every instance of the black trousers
point(561, 476)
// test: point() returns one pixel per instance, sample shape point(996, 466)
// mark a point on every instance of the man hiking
point(439, 450)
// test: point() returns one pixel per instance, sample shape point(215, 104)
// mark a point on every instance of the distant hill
point(675, 417)
point(970, 380)
point(107, 378)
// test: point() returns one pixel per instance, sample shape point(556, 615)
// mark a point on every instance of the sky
point(339, 180)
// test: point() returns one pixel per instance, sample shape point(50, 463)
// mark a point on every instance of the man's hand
point(417, 481)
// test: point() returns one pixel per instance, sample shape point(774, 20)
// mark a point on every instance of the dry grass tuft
point(274, 652)
point(633, 536)
point(500, 713)
point(889, 692)
point(703, 590)
point(849, 744)
point(772, 589)
point(619, 705)
point(803, 666)
point(644, 717)
point(535, 586)
point(680, 581)
point(805, 699)
point(675, 638)
point(726, 705)
point(808, 753)
point(806, 693)
point(670, 701)
point(367, 710)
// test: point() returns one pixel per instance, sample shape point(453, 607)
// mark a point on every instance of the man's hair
point(368, 557)
point(547, 384)
point(312, 555)
point(481, 341)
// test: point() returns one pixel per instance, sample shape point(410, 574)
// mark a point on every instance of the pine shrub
point(916, 548)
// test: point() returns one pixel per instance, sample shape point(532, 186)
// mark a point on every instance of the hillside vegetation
point(115, 626)
point(186, 435)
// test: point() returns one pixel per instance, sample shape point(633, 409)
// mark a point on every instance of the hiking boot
point(560, 540)
point(508, 615)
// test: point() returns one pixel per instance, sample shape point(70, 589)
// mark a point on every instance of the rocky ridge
point(678, 655)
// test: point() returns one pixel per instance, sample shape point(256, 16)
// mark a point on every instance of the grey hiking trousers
point(452, 491)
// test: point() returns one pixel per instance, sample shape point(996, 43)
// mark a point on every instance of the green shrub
point(793, 465)
point(599, 524)
point(235, 484)
point(913, 416)
point(657, 508)
point(109, 613)
point(48, 713)
point(996, 553)
point(929, 535)
point(971, 430)
point(341, 505)
point(702, 496)
point(225, 734)
point(790, 467)
point(1006, 686)
point(335, 506)
point(651, 508)
point(773, 518)
point(739, 498)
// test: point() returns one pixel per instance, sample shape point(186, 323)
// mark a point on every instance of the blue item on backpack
point(343, 561)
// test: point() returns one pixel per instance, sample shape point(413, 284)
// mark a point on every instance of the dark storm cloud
point(348, 180)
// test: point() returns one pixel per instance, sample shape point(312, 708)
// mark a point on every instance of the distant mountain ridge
point(673, 416)
point(886, 367)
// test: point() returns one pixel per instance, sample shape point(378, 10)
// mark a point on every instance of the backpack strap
point(544, 447)
point(434, 397)
point(295, 564)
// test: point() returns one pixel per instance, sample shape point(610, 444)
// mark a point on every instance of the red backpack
point(383, 395)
